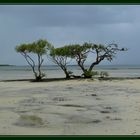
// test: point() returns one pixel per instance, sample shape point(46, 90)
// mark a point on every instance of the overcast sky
point(65, 24)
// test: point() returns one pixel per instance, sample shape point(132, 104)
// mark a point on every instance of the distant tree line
point(63, 55)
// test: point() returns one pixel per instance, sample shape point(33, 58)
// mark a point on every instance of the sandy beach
point(71, 107)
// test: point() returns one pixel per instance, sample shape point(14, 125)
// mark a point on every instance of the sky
point(67, 24)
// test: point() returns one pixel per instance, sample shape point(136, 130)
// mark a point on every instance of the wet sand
point(71, 107)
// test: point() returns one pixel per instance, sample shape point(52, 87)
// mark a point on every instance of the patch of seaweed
point(59, 99)
point(71, 105)
point(116, 119)
point(69, 88)
point(29, 121)
point(105, 111)
point(96, 121)
point(108, 107)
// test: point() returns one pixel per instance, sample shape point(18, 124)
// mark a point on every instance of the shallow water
point(24, 72)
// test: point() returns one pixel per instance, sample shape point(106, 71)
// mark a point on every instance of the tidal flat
point(70, 107)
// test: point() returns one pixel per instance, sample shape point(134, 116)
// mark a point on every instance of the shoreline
point(78, 78)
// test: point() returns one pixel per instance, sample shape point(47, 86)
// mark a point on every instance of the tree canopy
point(63, 55)
point(81, 52)
point(39, 48)
point(59, 56)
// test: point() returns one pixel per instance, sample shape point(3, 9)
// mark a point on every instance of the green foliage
point(63, 51)
point(21, 48)
point(90, 74)
point(79, 52)
point(59, 56)
point(39, 48)
point(95, 73)
point(104, 74)
point(70, 72)
point(30, 120)
point(71, 50)
point(74, 50)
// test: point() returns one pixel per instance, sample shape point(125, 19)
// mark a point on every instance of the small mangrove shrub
point(95, 73)
point(89, 74)
point(103, 74)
